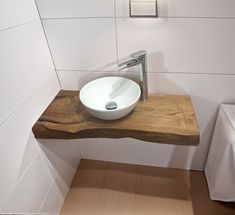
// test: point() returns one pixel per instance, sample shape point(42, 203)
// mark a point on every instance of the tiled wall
point(191, 50)
point(31, 179)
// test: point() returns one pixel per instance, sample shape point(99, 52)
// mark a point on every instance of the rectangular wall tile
point(16, 150)
point(76, 8)
point(82, 44)
point(31, 148)
point(197, 8)
point(127, 150)
point(186, 8)
point(75, 80)
point(180, 45)
point(53, 202)
point(62, 157)
point(25, 62)
point(31, 190)
point(15, 12)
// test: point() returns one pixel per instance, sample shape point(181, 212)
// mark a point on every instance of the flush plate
point(143, 8)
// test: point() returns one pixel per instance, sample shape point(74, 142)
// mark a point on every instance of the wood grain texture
point(106, 188)
point(162, 119)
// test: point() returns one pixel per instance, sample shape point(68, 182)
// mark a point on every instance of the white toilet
point(220, 166)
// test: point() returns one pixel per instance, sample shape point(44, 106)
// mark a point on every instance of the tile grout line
point(19, 25)
point(196, 17)
point(116, 35)
point(75, 17)
point(133, 72)
point(84, 70)
point(44, 200)
point(127, 17)
point(25, 100)
point(48, 45)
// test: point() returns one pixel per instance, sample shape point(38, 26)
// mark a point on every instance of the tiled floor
point(104, 188)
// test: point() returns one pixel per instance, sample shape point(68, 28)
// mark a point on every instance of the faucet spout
point(138, 58)
point(127, 64)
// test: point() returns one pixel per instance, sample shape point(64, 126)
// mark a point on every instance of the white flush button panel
point(141, 8)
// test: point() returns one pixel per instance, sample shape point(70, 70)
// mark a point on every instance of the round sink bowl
point(110, 98)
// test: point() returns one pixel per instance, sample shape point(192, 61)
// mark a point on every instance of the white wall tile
point(31, 190)
point(197, 8)
point(180, 45)
point(27, 85)
point(16, 138)
point(133, 151)
point(53, 201)
point(62, 158)
point(30, 150)
point(15, 12)
point(186, 8)
point(82, 44)
point(25, 61)
point(75, 80)
point(75, 8)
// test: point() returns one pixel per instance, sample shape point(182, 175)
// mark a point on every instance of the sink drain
point(111, 105)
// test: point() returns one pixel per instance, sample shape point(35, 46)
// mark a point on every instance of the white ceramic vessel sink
point(110, 98)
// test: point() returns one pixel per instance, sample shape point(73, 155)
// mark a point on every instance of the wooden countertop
point(162, 119)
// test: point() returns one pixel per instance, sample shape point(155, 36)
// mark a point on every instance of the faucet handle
point(139, 55)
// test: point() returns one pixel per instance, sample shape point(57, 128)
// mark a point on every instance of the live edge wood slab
point(162, 119)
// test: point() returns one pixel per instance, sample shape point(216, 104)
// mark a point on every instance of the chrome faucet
point(138, 58)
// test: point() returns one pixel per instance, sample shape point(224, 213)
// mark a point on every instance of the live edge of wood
point(162, 119)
